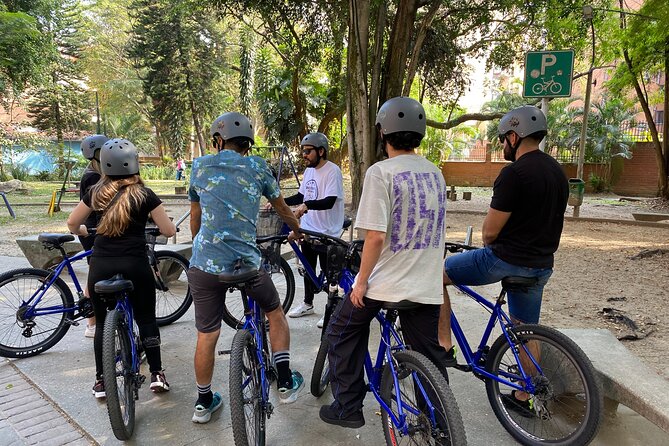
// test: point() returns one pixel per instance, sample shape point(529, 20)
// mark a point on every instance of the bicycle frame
point(475, 360)
point(374, 374)
point(35, 299)
point(253, 320)
point(124, 307)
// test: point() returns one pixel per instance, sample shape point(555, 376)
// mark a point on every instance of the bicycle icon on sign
point(547, 86)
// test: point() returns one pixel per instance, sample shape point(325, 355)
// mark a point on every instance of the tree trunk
point(357, 105)
point(418, 45)
point(398, 47)
point(665, 129)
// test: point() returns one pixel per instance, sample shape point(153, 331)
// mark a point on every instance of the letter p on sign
point(547, 60)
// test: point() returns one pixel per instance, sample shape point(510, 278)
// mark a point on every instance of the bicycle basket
point(268, 223)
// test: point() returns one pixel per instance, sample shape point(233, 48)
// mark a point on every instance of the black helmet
point(92, 144)
point(119, 157)
point(316, 139)
point(523, 121)
point(401, 114)
point(232, 125)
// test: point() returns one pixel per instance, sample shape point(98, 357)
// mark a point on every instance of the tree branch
point(463, 118)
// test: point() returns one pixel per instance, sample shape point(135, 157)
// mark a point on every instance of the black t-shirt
point(88, 180)
point(133, 240)
point(534, 189)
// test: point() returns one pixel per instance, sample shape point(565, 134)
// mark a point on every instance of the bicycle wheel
point(284, 281)
point(417, 377)
point(246, 405)
point(567, 404)
point(320, 376)
point(21, 337)
point(173, 298)
point(118, 375)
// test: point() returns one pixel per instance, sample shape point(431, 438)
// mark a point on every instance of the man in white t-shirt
point(321, 209)
point(402, 210)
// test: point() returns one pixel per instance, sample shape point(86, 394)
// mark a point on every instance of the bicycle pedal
point(463, 367)
point(72, 322)
point(224, 352)
point(301, 271)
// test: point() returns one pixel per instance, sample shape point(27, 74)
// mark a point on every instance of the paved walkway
point(58, 382)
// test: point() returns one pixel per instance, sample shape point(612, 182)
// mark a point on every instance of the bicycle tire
point(172, 303)
point(558, 400)
point(555, 88)
point(118, 375)
point(411, 365)
point(538, 88)
point(320, 376)
point(284, 281)
point(245, 390)
point(15, 287)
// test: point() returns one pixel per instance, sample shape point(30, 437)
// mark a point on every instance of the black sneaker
point(99, 388)
point(331, 416)
point(158, 382)
point(522, 408)
point(451, 357)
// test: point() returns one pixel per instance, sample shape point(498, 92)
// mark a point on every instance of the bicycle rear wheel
point(567, 404)
point(173, 296)
point(21, 337)
point(418, 378)
point(118, 375)
point(246, 405)
point(284, 281)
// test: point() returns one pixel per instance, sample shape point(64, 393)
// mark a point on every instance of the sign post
point(548, 74)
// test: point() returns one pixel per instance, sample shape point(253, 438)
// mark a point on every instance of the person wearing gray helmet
point(123, 205)
point(225, 192)
point(90, 149)
point(521, 231)
point(320, 206)
point(402, 212)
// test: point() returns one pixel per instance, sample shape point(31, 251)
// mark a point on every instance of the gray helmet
point(316, 139)
point(232, 125)
point(523, 121)
point(119, 157)
point(91, 144)
point(401, 114)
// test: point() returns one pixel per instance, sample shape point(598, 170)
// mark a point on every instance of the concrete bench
point(39, 257)
point(648, 216)
point(624, 378)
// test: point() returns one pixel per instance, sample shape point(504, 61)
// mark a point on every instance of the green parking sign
point(548, 74)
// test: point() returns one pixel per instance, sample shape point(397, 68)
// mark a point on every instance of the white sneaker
point(90, 331)
point(320, 322)
point(301, 310)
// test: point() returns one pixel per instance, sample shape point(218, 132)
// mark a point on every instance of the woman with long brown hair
point(123, 205)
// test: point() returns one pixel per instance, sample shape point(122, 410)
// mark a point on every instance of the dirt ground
point(596, 283)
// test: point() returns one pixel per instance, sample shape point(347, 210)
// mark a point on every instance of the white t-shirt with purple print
point(405, 197)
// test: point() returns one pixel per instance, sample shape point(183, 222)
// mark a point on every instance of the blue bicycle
point(37, 307)
point(565, 401)
point(120, 357)
point(251, 370)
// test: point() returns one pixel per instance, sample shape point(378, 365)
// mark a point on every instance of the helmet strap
point(514, 147)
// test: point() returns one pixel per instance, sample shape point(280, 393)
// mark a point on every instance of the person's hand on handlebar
point(300, 210)
point(296, 236)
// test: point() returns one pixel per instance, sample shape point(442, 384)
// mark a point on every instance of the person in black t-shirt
point(90, 148)
point(522, 229)
point(123, 205)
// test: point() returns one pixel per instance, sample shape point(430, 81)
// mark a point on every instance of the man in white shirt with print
point(402, 210)
point(321, 209)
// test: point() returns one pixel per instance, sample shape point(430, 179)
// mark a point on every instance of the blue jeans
point(482, 267)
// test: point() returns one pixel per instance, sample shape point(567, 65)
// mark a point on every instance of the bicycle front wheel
point(320, 376)
point(119, 377)
point(432, 414)
point(173, 296)
point(22, 336)
point(284, 281)
point(246, 402)
point(566, 407)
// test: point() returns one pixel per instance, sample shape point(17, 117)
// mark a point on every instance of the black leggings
point(142, 299)
point(312, 254)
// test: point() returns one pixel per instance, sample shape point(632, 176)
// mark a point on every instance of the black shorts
point(209, 297)
point(87, 244)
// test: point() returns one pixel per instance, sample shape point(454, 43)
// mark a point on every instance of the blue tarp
point(36, 161)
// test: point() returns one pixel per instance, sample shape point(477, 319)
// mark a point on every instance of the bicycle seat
point(116, 284)
point(401, 305)
point(241, 274)
point(517, 283)
point(55, 239)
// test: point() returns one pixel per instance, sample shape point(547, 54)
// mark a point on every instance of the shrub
point(597, 183)
point(18, 172)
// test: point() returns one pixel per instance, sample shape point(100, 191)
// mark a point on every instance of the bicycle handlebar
point(325, 238)
point(458, 247)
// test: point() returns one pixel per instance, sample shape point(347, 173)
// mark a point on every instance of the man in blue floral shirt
point(225, 192)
